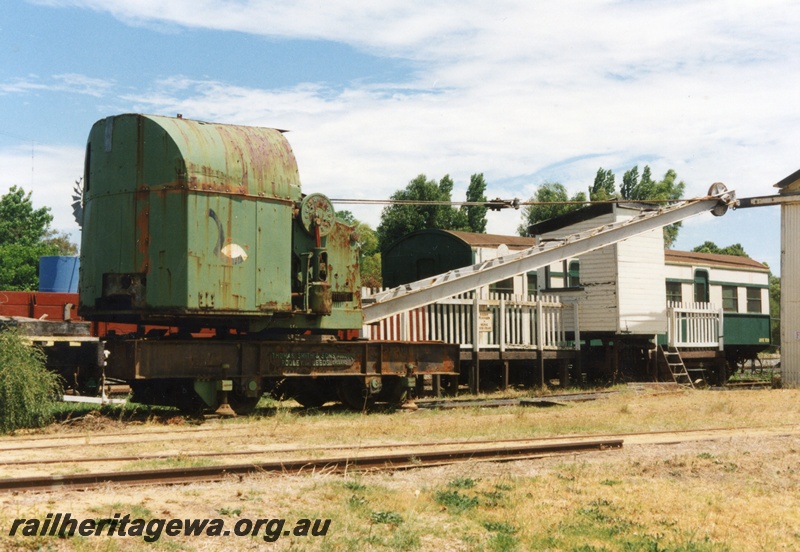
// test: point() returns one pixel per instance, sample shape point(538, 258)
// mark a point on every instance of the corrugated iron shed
point(790, 284)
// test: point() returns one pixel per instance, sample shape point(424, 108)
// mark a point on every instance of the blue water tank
point(59, 274)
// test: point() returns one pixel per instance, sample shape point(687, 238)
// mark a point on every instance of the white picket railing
point(501, 322)
point(694, 325)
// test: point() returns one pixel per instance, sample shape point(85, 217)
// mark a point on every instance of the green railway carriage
point(739, 286)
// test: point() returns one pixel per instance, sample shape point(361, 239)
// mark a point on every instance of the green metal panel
point(423, 254)
point(184, 218)
point(747, 329)
point(740, 329)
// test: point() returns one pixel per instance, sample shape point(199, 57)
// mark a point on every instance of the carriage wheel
point(354, 394)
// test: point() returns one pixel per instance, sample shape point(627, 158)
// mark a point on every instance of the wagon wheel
point(309, 399)
point(243, 405)
point(395, 390)
point(311, 394)
point(354, 395)
point(175, 393)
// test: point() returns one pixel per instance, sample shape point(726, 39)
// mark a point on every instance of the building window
point(730, 298)
point(701, 286)
point(554, 279)
point(533, 283)
point(674, 292)
point(503, 286)
point(754, 300)
point(574, 274)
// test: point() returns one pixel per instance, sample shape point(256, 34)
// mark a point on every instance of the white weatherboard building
point(620, 287)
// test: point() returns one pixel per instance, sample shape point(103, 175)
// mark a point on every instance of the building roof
point(493, 240)
point(589, 212)
point(714, 259)
point(791, 179)
point(671, 256)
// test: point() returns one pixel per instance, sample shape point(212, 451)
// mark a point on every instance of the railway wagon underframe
point(216, 372)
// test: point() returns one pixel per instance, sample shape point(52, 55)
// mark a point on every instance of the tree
point(369, 260)
point(552, 194)
point(398, 220)
point(629, 181)
point(19, 221)
point(775, 308)
point(604, 187)
point(24, 233)
point(476, 215)
point(60, 240)
point(29, 388)
point(711, 247)
point(645, 188)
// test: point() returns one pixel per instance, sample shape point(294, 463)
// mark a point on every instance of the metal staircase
point(461, 280)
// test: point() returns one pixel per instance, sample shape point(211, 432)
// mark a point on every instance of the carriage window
point(730, 299)
point(754, 300)
point(503, 286)
point(533, 283)
point(674, 292)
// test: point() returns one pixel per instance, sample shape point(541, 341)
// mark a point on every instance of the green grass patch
point(391, 518)
point(462, 483)
point(456, 502)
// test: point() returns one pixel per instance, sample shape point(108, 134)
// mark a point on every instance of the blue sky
point(375, 94)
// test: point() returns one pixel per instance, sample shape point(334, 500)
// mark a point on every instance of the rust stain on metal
point(142, 206)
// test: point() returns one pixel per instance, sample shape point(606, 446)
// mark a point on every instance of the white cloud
point(522, 91)
point(68, 82)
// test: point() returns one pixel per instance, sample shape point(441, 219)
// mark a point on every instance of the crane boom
point(461, 280)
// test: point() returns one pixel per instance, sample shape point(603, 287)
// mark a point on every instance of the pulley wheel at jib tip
point(727, 199)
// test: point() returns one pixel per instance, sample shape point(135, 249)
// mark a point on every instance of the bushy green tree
point(369, 253)
point(711, 247)
point(397, 220)
point(19, 221)
point(25, 236)
point(27, 388)
point(550, 194)
point(476, 214)
point(603, 188)
point(645, 188)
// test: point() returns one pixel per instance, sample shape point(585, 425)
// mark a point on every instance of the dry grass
point(740, 492)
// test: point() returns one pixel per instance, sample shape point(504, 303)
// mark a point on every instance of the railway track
point(357, 459)
point(635, 436)
point(395, 461)
point(65, 441)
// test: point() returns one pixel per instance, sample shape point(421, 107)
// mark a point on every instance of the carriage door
point(701, 286)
